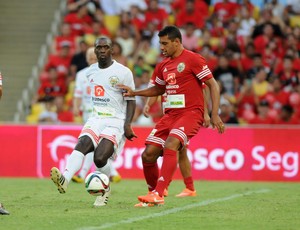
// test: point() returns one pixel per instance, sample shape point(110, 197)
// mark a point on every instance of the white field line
point(174, 210)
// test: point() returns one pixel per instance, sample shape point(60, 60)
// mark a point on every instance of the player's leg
point(150, 167)
point(74, 162)
point(102, 154)
point(168, 168)
point(86, 166)
point(186, 172)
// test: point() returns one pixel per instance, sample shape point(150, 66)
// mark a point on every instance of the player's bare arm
point(215, 120)
point(206, 121)
point(128, 131)
point(149, 92)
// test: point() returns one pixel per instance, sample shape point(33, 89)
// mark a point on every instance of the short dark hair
point(172, 32)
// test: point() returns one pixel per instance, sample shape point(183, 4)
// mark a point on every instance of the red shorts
point(182, 126)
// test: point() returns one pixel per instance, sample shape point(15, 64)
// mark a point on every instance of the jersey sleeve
point(129, 81)
point(200, 68)
point(157, 77)
point(78, 90)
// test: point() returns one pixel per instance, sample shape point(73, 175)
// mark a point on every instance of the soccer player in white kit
point(105, 131)
point(82, 102)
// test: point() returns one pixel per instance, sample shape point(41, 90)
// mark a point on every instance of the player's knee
point(100, 161)
point(84, 145)
point(149, 156)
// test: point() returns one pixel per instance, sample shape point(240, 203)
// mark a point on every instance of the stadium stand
point(248, 44)
point(24, 26)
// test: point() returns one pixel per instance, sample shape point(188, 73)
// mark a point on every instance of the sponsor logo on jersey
point(92, 80)
point(171, 79)
point(113, 80)
point(99, 91)
point(180, 67)
point(165, 70)
point(204, 67)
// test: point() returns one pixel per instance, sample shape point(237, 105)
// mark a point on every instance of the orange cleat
point(186, 192)
point(143, 205)
point(152, 197)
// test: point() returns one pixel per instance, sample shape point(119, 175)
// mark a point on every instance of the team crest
point(180, 67)
point(113, 80)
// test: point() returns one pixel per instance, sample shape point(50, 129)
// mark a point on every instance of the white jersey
point(0, 79)
point(83, 91)
point(107, 99)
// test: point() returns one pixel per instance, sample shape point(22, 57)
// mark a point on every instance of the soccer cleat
point(2, 210)
point(59, 180)
point(186, 192)
point(77, 179)
point(102, 200)
point(152, 197)
point(116, 178)
point(144, 205)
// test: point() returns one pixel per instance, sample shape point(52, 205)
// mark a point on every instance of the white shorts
point(109, 128)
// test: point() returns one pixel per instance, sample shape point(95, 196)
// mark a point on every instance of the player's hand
point(129, 133)
point(206, 121)
point(126, 90)
point(216, 122)
point(146, 110)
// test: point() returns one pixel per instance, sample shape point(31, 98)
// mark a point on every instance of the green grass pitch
point(36, 204)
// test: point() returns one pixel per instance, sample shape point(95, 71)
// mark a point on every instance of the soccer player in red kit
point(180, 75)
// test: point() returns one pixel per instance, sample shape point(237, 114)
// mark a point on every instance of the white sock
point(106, 169)
point(113, 170)
point(74, 163)
point(87, 164)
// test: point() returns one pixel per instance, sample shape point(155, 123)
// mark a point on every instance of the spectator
point(225, 11)
point(96, 30)
point(247, 22)
point(51, 86)
point(262, 116)
point(276, 96)
point(127, 21)
point(126, 41)
point(286, 116)
point(65, 38)
point(60, 61)
point(63, 113)
point(156, 15)
point(189, 38)
point(226, 112)
point(118, 54)
point(189, 13)
point(246, 102)
point(49, 115)
point(257, 65)
point(260, 84)
point(79, 20)
point(78, 61)
point(289, 77)
point(229, 76)
point(149, 54)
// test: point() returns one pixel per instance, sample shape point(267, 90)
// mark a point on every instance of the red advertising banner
point(246, 154)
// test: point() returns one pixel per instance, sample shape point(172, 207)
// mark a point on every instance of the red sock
point(189, 183)
point(151, 174)
point(168, 168)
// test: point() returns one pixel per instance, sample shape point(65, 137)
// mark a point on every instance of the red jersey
point(182, 78)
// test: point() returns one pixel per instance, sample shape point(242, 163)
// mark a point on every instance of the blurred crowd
point(253, 52)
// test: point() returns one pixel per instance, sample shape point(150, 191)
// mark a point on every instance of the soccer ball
point(97, 183)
